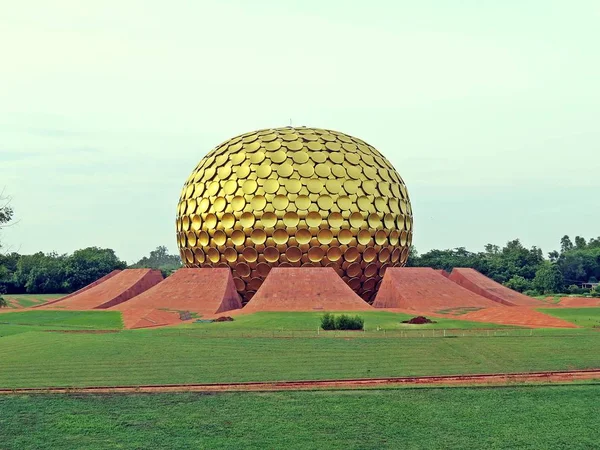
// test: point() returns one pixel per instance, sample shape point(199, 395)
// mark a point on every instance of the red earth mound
point(114, 290)
point(305, 289)
point(480, 284)
point(579, 302)
point(83, 289)
point(424, 289)
point(146, 318)
point(204, 291)
point(517, 315)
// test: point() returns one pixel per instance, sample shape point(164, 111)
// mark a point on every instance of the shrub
point(328, 322)
point(341, 322)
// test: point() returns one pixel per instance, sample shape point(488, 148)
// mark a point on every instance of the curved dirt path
point(442, 380)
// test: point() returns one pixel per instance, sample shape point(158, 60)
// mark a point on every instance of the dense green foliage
point(341, 322)
point(522, 269)
point(535, 417)
point(53, 273)
point(222, 354)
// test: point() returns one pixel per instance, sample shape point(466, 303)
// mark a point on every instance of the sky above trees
point(488, 111)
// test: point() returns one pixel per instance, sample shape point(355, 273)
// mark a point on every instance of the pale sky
point(488, 109)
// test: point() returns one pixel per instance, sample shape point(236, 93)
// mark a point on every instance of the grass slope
point(29, 300)
point(527, 417)
point(36, 359)
point(584, 317)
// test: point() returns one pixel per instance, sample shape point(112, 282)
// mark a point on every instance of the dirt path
point(444, 380)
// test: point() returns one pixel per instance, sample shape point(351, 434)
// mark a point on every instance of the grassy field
point(311, 321)
point(526, 417)
point(36, 359)
point(29, 300)
point(93, 320)
point(584, 317)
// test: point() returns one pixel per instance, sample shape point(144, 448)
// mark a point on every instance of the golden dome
point(295, 197)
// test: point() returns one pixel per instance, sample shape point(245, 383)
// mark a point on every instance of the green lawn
point(311, 321)
point(526, 417)
point(584, 317)
point(29, 300)
point(37, 359)
point(95, 320)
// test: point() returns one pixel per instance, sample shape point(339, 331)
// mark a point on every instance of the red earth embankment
point(305, 289)
point(516, 315)
point(83, 289)
point(480, 284)
point(579, 302)
point(112, 291)
point(201, 291)
point(423, 289)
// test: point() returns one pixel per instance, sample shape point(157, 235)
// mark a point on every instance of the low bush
point(328, 322)
point(342, 322)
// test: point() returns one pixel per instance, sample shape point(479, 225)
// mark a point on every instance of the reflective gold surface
point(295, 197)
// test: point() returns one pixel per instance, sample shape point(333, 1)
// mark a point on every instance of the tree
point(548, 279)
point(89, 264)
point(3, 302)
point(6, 212)
point(518, 283)
point(580, 243)
point(160, 259)
point(565, 244)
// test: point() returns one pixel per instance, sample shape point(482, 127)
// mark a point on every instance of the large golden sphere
point(295, 197)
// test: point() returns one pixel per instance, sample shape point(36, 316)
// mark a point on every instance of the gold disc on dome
point(335, 220)
point(300, 157)
point(313, 219)
point(228, 220)
point(238, 237)
point(272, 146)
point(285, 170)
point(258, 236)
point(302, 202)
point(271, 186)
point(293, 254)
point(258, 202)
point(268, 220)
point(290, 219)
point(280, 202)
point(249, 186)
point(315, 185)
point(280, 236)
point(263, 171)
point(293, 186)
point(247, 220)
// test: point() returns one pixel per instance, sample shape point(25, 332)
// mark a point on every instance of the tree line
point(53, 273)
point(522, 269)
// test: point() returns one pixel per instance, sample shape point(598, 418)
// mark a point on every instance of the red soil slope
point(204, 291)
point(146, 318)
point(305, 289)
point(480, 284)
point(518, 315)
point(83, 289)
point(116, 289)
point(424, 289)
point(579, 302)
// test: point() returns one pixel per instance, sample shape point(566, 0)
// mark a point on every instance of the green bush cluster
point(341, 322)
